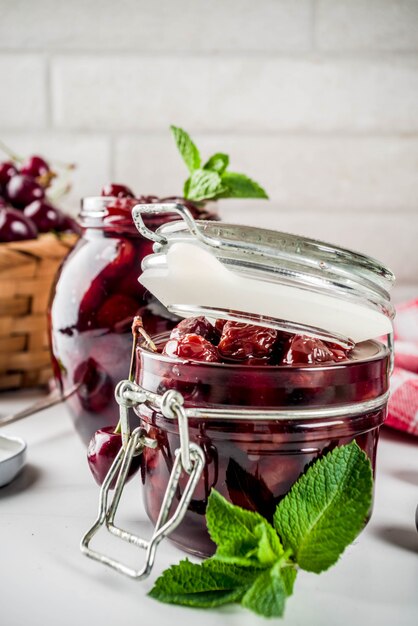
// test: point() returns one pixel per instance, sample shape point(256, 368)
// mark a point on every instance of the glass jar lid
point(268, 277)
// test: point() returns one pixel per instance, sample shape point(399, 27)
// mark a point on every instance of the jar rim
point(382, 352)
point(283, 388)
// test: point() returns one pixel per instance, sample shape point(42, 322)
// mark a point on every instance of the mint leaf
point(243, 537)
point(186, 188)
point(203, 184)
point(187, 148)
point(217, 163)
point(267, 595)
point(326, 508)
point(211, 583)
point(240, 186)
point(289, 576)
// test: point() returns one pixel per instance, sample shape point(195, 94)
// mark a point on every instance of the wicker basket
point(27, 270)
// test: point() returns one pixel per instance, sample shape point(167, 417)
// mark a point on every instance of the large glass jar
point(297, 414)
point(95, 297)
point(259, 426)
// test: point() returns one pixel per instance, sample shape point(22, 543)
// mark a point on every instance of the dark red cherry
point(246, 342)
point(94, 387)
point(120, 257)
point(7, 171)
point(22, 190)
point(45, 215)
point(71, 225)
point(35, 166)
point(196, 326)
point(95, 293)
point(117, 310)
point(307, 350)
point(281, 347)
point(191, 348)
point(4, 204)
point(14, 226)
point(340, 353)
point(219, 326)
point(102, 451)
point(117, 191)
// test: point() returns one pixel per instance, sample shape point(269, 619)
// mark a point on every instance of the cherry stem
point(137, 329)
point(10, 152)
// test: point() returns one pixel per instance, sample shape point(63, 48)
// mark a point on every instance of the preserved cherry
point(246, 342)
point(191, 348)
point(303, 349)
point(250, 344)
point(196, 326)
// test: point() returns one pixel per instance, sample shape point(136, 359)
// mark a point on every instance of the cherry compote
point(326, 397)
point(195, 338)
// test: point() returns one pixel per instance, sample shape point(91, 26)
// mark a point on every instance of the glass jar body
point(254, 462)
point(95, 296)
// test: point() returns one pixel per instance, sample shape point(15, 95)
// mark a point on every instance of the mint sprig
point(212, 180)
point(255, 564)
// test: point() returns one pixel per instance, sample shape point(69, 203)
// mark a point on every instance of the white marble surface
point(44, 579)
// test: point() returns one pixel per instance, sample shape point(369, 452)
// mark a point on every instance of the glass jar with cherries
point(95, 297)
point(275, 364)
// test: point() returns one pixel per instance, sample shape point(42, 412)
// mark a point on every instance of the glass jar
point(250, 458)
point(248, 431)
point(95, 297)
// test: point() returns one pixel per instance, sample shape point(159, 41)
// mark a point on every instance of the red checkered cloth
point(403, 403)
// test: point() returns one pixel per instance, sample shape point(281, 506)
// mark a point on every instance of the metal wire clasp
point(189, 458)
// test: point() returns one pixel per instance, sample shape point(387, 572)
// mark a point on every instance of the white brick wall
point(317, 99)
point(23, 93)
point(367, 25)
point(247, 93)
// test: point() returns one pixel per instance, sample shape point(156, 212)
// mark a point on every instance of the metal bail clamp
point(188, 458)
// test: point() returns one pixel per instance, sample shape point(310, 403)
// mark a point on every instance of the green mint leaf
point(326, 508)
point(186, 188)
point(243, 537)
point(241, 186)
point(267, 595)
point(289, 576)
point(204, 184)
point(187, 148)
point(217, 163)
point(211, 583)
